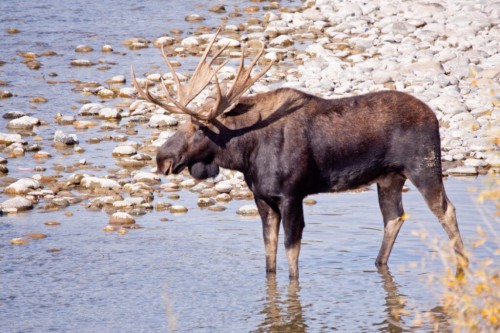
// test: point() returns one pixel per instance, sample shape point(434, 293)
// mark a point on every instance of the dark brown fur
point(290, 144)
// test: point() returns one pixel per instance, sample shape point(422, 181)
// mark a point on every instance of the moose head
point(189, 146)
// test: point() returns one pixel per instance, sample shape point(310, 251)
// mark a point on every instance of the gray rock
point(13, 114)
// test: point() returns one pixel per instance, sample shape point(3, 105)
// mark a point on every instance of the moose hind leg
point(293, 225)
point(432, 189)
point(390, 200)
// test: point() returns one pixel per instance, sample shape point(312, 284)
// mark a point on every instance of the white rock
point(146, 177)
point(162, 120)
point(96, 182)
point(90, 109)
point(463, 170)
point(127, 92)
point(9, 138)
point(381, 77)
point(283, 40)
point(124, 151)
point(475, 162)
point(16, 204)
point(224, 186)
point(25, 122)
point(22, 186)
point(248, 210)
point(121, 218)
point(109, 113)
point(190, 42)
point(229, 42)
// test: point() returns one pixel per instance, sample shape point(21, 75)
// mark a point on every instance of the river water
point(202, 271)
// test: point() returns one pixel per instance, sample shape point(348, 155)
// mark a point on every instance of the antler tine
point(243, 80)
point(147, 95)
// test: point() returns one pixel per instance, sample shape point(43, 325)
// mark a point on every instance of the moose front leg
point(293, 225)
point(270, 228)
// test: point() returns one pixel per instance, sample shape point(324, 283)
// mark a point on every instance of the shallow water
point(202, 271)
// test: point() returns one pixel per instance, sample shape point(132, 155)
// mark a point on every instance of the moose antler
point(200, 79)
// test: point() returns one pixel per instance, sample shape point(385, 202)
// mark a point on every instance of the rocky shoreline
point(446, 55)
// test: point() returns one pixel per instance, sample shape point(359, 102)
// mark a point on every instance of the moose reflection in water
point(284, 312)
point(289, 144)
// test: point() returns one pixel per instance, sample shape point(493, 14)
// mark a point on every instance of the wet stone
point(223, 197)
point(216, 208)
point(147, 177)
point(121, 218)
point(19, 241)
point(81, 63)
point(5, 94)
point(84, 49)
point(224, 186)
point(13, 114)
point(178, 209)
point(124, 151)
point(16, 204)
point(23, 123)
point(67, 139)
point(205, 202)
point(248, 210)
point(22, 186)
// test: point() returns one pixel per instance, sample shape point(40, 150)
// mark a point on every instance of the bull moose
point(289, 144)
